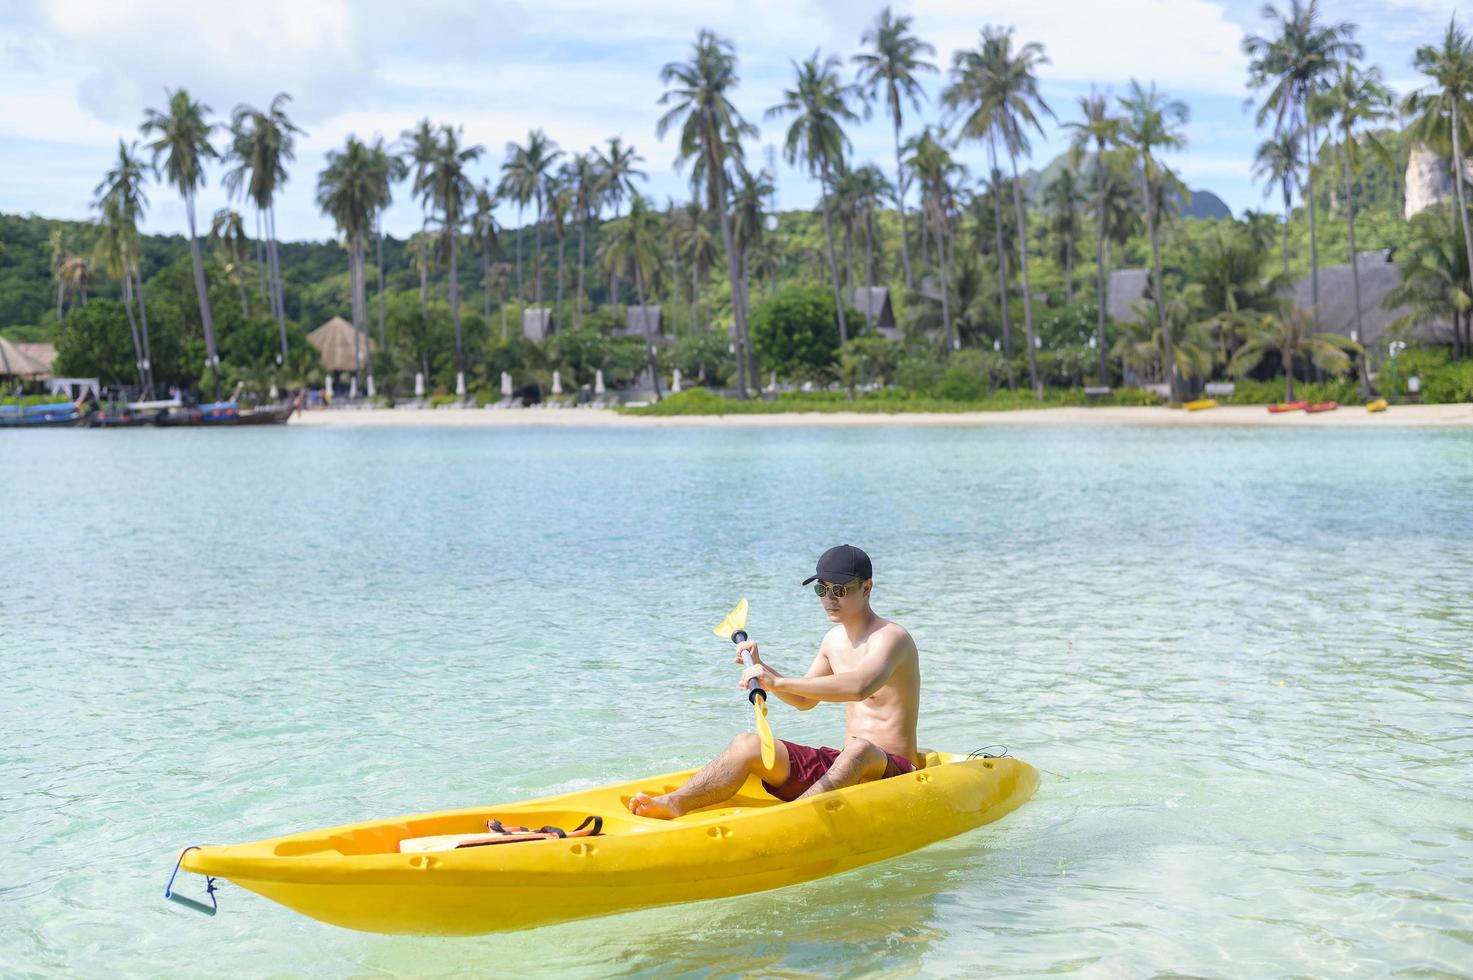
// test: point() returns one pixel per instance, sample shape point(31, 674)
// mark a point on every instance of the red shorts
point(806, 766)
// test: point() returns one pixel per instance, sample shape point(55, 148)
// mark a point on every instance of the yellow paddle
point(731, 627)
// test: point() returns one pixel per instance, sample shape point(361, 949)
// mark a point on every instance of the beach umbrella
point(505, 385)
point(459, 384)
point(274, 393)
point(557, 383)
point(370, 386)
point(419, 385)
point(327, 386)
point(773, 386)
point(675, 382)
point(598, 382)
point(353, 387)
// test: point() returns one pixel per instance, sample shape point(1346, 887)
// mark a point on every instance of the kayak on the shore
point(1288, 407)
point(1200, 404)
point(1379, 405)
point(389, 876)
point(1321, 407)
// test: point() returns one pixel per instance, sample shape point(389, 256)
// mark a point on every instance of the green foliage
point(1251, 392)
point(94, 342)
point(1420, 362)
point(703, 355)
point(1449, 383)
point(796, 332)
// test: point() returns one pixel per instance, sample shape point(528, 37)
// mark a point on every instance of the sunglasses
point(822, 589)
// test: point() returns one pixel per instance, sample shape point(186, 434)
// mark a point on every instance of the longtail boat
point(55, 415)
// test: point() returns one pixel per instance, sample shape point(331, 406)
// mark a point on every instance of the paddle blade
point(735, 620)
point(764, 732)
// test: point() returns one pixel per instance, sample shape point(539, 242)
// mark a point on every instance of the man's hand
point(749, 647)
point(765, 676)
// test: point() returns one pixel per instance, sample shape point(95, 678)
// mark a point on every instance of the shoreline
point(1398, 416)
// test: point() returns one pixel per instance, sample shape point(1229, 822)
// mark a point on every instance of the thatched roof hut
point(873, 303)
point(537, 323)
point(1127, 288)
point(1379, 275)
point(334, 341)
point(16, 363)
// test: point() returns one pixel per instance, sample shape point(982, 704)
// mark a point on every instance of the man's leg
point(718, 781)
point(860, 762)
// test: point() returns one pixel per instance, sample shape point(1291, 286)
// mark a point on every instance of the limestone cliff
point(1429, 179)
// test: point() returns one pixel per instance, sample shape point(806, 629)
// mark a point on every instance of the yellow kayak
point(1379, 405)
point(385, 876)
point(1200, 404)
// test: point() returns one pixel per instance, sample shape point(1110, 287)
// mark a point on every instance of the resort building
point(1379, 275)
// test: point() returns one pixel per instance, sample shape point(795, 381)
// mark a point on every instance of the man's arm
point(867, 677)
point(820, 668)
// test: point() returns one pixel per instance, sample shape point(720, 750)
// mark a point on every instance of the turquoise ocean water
point(1242, 655)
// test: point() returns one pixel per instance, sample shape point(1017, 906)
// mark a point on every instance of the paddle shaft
point(753, 688)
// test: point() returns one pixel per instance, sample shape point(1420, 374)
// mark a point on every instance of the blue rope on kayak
point(186, 901)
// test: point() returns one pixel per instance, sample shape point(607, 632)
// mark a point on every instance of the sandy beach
point(1418, 416)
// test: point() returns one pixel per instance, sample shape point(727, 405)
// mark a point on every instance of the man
point(866, 662)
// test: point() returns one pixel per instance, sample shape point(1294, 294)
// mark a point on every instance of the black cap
point(844, 563)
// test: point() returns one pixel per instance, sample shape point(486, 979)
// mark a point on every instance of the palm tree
point(711, 131)
point(870, 189)
point(1289, 335)
point(393, 169)
point(421, 249)
point(1154, 123)
point(122, 193)
point(446, 192)
point(634, 247)
point(1439, 108)
point(1062, 198)
point(749, 231)
point(486, 231)
point(819, 104)
point(937, 172)
point(1278, 161)
point(261, 146)
point(615, 173)
point(227, 232)
point(1434, 279)
point(997, 89)
point(1141, 343)
point(183, 143)
point(57, 242)
point(584, 176)
point(1354, 99)
point(524, 180)
point(1293, 62)
point(1099, 127)
point(893, 66)
point(560, 200)
point(351, 190)
point(697, 246)
point(115, 251)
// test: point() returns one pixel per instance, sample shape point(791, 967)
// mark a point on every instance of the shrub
point(1449, 383)
point(796, 332)
point(1419, 361)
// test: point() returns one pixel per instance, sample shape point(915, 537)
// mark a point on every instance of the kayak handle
point(185, 900)
point(753, 688)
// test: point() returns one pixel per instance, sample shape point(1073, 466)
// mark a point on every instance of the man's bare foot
point(658, 807)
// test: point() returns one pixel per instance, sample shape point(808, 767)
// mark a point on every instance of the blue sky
point(75, 76)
